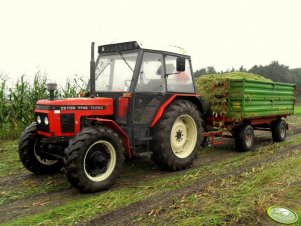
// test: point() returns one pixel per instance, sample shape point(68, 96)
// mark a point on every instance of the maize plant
point(17, 102)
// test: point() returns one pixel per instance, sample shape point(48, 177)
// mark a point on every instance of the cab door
point(149, 94)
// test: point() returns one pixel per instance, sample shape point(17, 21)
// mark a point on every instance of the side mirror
point(180, 64)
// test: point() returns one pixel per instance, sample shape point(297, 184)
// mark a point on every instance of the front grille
point(42, 126)
point(67, 123)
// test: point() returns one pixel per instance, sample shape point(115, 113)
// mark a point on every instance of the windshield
point(114, 73)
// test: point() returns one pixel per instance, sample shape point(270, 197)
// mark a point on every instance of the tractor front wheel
point(31, 153)
point(94, 159)
point(177, 136)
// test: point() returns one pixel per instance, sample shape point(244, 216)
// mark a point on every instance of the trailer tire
point(94, 159)
point(30, 156)
point(177, 136)
point(278, 129)
point(244, 138)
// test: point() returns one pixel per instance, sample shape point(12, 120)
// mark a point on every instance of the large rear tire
point(278, 129)
point(31, 153)
point(94, 159)
point(244, 138)
point(177, 136)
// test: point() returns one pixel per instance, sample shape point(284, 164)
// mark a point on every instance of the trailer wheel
point(177, 136)
point(31, 153)
point(244, 138)
point(94, 159)
point(279, 130)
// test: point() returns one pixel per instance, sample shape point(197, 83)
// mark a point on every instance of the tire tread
point(162, 152)
point(75, 150)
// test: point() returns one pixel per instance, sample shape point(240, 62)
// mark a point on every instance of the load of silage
point(211, 88)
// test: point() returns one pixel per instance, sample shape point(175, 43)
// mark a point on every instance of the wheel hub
point(179, 135)
point(249, 139)
point(96, 162)
point(99, 161)
point(282, 130)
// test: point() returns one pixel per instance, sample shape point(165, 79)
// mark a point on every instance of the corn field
point(17, 102)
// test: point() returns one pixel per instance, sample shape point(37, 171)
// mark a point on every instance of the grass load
point(211, 88)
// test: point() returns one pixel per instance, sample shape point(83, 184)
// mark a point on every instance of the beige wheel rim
point(99, 161)
point(183, 136)
point(44, 161)
point(282, 130)
point(249, 138)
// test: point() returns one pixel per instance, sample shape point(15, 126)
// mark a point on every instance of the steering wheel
point(127, 82)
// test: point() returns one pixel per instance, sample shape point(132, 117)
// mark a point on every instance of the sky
point(55, 36)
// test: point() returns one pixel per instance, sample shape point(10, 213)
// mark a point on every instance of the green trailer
point(241, 106)
point(252, 99)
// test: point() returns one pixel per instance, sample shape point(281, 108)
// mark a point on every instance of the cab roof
point(133, 45)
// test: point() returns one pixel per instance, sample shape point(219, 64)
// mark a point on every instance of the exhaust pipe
point(92, 72)
point(51, 87)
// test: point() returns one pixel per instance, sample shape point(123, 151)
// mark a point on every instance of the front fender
point(114, 126)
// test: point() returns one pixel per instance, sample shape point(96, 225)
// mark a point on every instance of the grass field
point(223, 187)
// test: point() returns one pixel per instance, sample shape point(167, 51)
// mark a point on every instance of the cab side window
point(151, 77)
point(178, 81)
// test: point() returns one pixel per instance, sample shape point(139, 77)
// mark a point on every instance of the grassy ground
point(238, 200)
point(235, 199)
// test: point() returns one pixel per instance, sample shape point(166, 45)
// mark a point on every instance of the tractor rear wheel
point(244, 138)
point(94, 159)
point(31, 153)
point(177, 136)
point(278, 129)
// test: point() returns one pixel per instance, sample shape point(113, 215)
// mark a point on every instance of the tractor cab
point(140, 81)
point(126, 67)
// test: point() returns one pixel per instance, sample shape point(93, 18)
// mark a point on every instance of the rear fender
point(114, 126)
point(194, 98)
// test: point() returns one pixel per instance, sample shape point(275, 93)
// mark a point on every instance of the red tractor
point(139, 101)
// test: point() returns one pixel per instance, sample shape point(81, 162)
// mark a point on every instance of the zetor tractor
point(139, 101)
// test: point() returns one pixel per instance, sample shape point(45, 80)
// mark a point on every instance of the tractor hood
point(75, 104)
point(60, 118)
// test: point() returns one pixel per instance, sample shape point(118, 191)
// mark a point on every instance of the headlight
point(39, 119)
point(46, 121)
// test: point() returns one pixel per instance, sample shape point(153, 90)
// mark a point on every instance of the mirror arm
point(166, 75)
